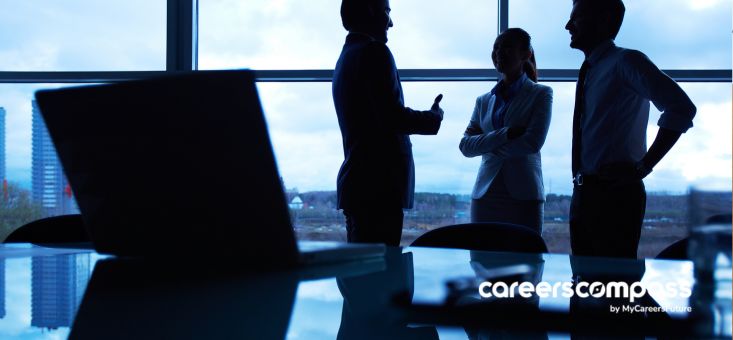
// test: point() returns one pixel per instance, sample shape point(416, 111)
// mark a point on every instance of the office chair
point(678, 250)
point(491, 236)
point(675, 251)
point(720, 219)
point(51, 230)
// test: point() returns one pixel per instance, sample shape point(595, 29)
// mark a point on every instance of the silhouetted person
point(591, 317)
point(369, 312)
point(377, 178)
point(609, 152)
point(485, 264)
point(507, 129)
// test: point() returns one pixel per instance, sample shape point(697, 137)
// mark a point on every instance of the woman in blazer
point(507, 129)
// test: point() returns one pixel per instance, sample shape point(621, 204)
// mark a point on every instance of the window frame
point(182, 56)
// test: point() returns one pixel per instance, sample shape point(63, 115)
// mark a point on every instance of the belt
point(611, 173)
point(580, 180)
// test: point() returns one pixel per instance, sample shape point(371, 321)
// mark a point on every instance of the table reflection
point(40, 295)
point(367, 311)
point(135, 299)
point(2, 289)
point(54, 294)
point(58, 284)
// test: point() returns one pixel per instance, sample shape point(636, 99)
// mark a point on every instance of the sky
point(85, 35)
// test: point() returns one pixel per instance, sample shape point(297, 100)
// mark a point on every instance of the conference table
point(410, 293)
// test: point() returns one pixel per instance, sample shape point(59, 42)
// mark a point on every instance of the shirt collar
point(354, 36)
point(513, 88)
point(600, 51)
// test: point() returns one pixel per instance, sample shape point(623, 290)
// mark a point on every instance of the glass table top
point(44, 293)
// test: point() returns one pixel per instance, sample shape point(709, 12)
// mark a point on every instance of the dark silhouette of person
point(609, 153)
point(507, 129)
point(591, 317)
point(528, 268)
point(377, 178)
point(368, 311)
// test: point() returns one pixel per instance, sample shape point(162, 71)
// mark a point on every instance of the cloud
point(672, 36)
point(16, 99)
point(17, 320)
point(80, 35)
point(704, 151)
point(451, 35)
point(702, 5)
point(286, 36)
point(309, 151)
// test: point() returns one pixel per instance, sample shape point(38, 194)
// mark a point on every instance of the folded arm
point(536, 132)
point(475, 142)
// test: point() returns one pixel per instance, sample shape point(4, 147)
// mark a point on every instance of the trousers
point(606, 219)
point(374, 225)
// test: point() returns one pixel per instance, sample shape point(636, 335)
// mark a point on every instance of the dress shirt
point(619, 85)
point(500, 103)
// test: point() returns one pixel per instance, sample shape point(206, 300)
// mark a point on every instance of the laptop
point(179, 165)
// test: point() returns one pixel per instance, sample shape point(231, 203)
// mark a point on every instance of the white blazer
point(520, 158)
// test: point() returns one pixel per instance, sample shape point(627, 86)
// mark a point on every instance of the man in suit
point(610, 157)
point(377, 178)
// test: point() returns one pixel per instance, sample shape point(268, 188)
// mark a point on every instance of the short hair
point(614, 8)
point(354, 13)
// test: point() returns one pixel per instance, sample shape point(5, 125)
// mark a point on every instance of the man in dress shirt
point(377, 178)
point(610, 157)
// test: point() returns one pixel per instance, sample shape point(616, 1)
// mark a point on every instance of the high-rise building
point(2, 145)
point(50, 188)
point(57, 287)
point(2, 289)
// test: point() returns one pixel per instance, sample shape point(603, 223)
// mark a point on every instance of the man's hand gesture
point(436, 106)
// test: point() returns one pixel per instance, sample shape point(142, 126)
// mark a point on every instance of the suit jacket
point(378, 168)
point(519, 158)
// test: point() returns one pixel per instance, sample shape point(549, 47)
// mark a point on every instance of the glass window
point(309, 35)
point(289, 34)
point(308, 147)
point(82, 35)
point(33, 183)
point(307, 142)
point(702, 155)
point(681, 34)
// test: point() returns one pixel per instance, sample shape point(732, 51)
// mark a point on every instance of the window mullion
point(503, 16)
point(182, 35)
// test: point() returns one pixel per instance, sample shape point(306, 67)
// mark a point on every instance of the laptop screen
point(173, 165)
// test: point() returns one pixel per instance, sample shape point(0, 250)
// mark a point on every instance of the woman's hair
point(525, 44)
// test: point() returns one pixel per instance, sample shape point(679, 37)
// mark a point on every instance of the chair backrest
point(50, 230)
point(679, 250)
point(484, 236)
point(720, 219)
point(675, 251)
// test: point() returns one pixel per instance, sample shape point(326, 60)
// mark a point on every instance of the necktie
point(577, 115)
